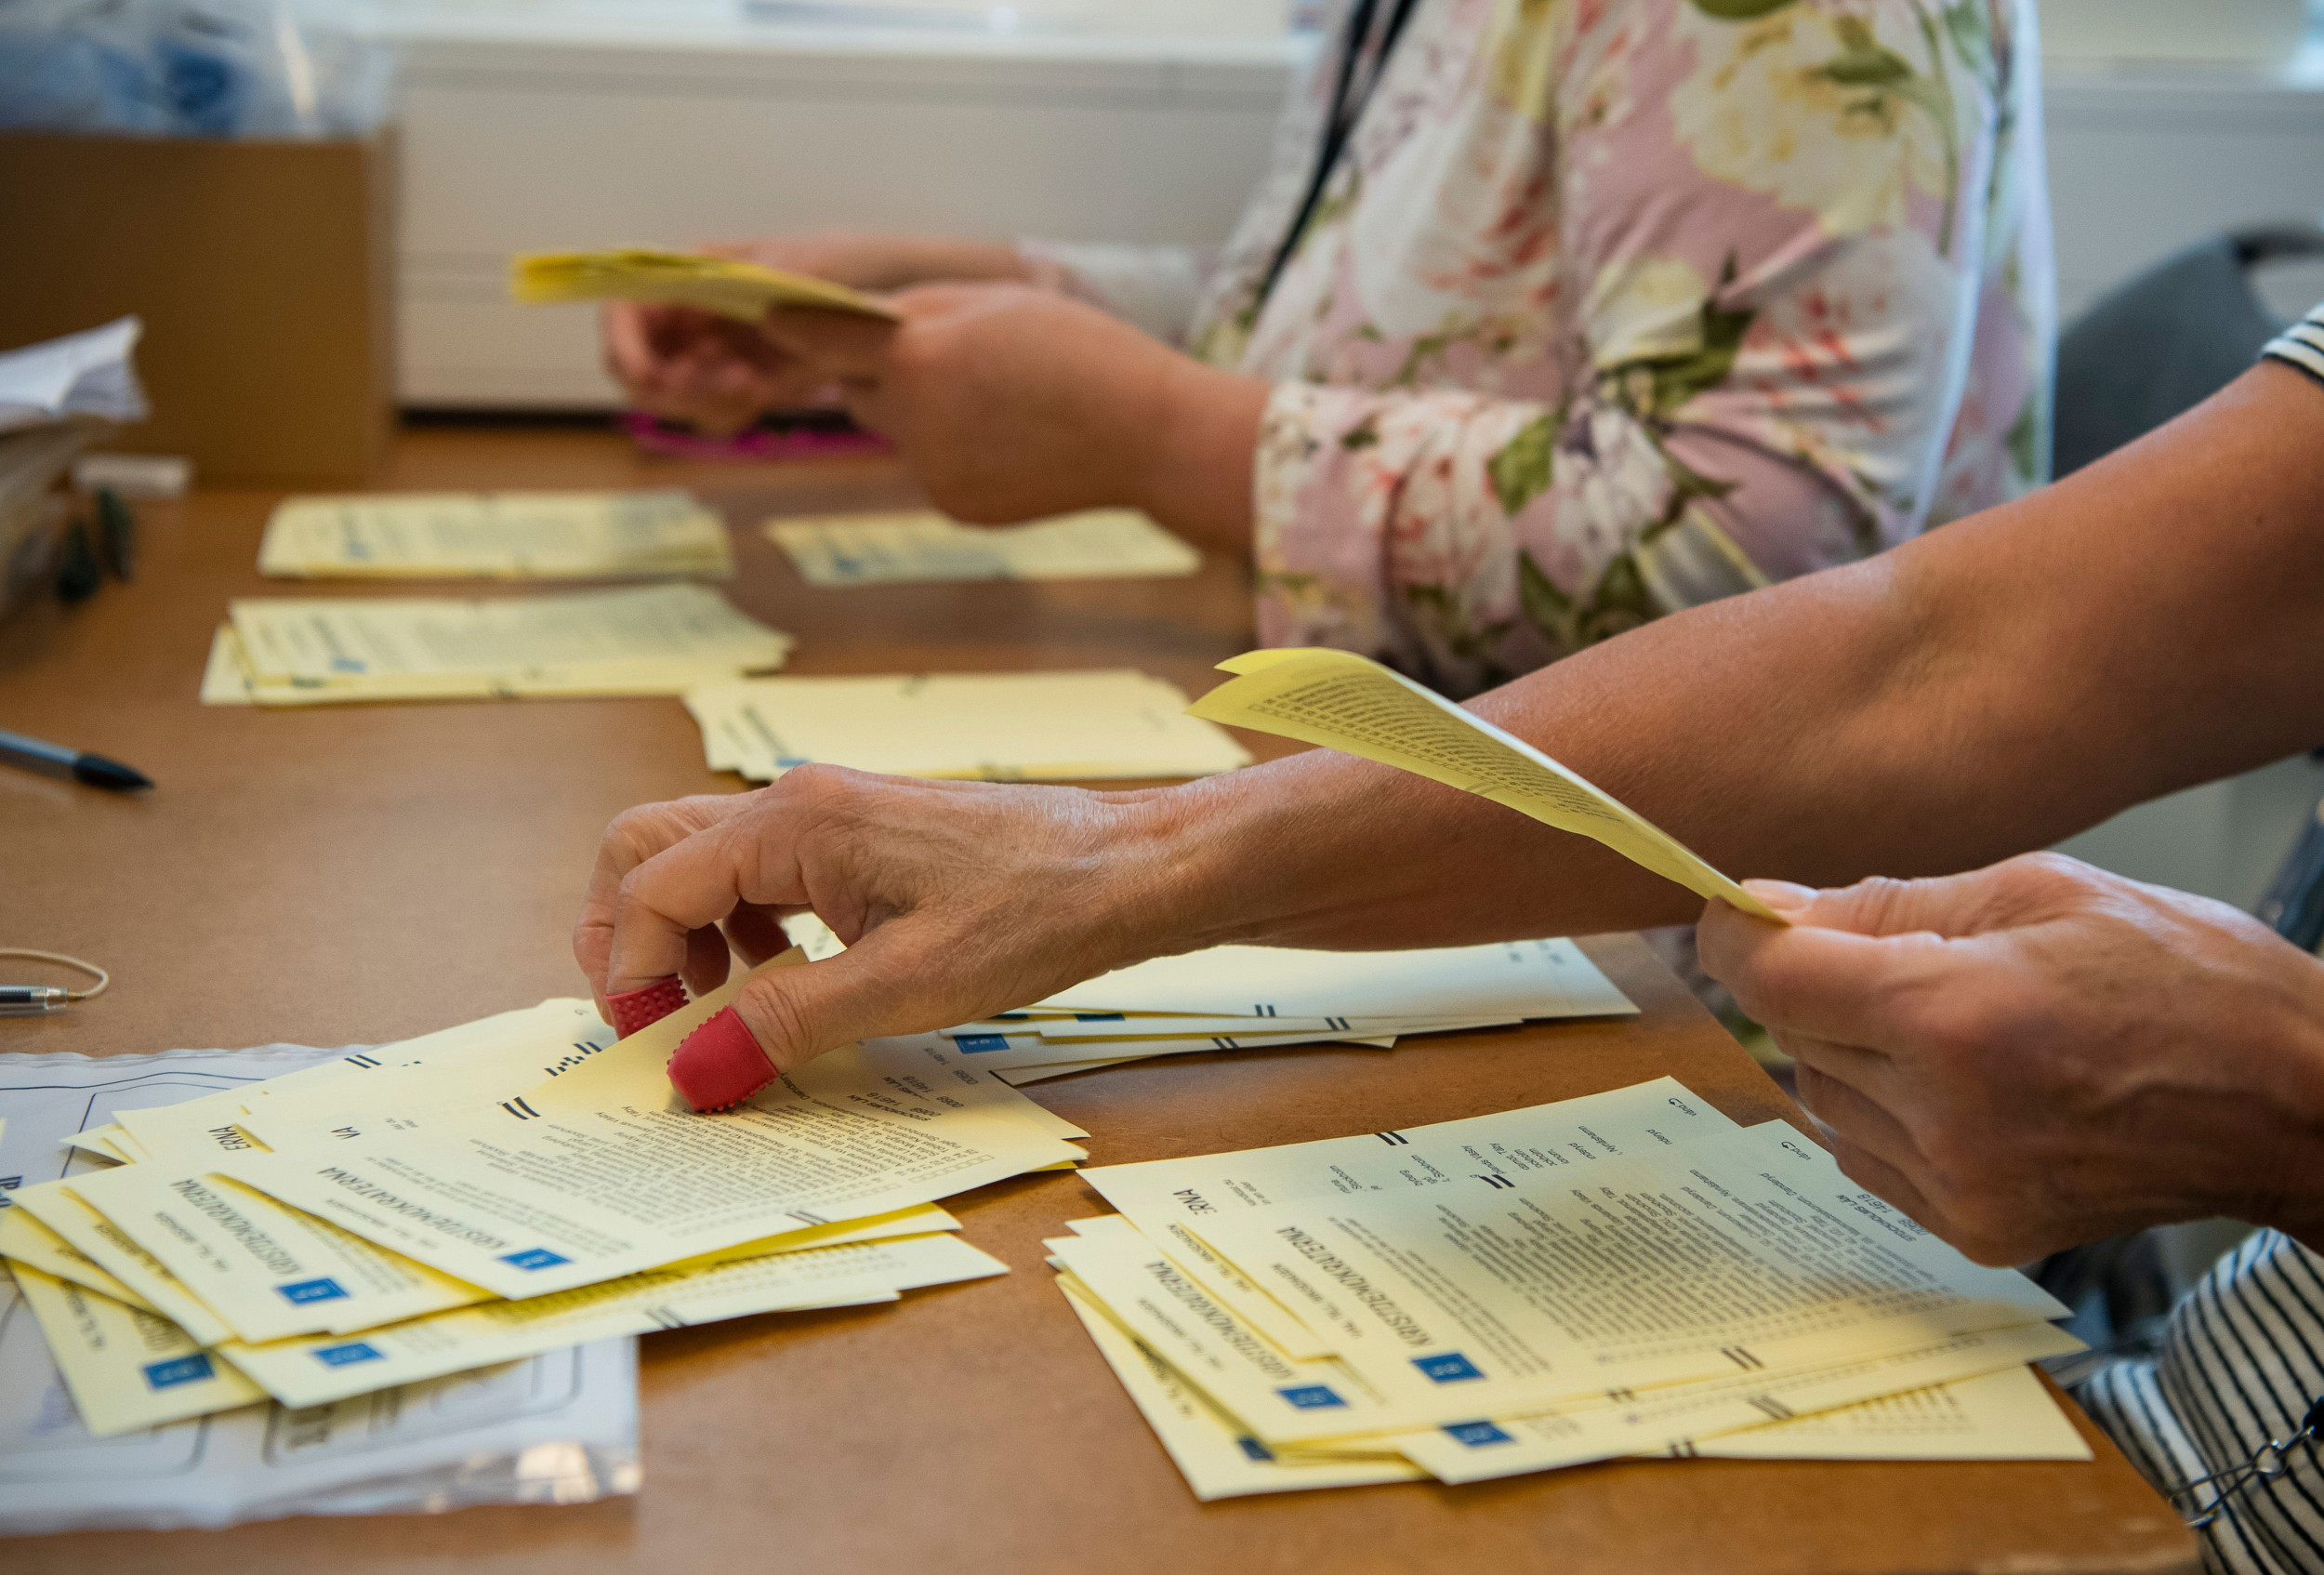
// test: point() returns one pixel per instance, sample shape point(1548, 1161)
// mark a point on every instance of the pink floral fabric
point(1613, 306)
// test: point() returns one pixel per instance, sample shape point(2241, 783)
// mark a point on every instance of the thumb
point(838, 344)
point(1951, 905)
point(785, 1016)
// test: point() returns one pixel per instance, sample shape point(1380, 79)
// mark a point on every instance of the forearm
point(1990, 688)
point(1190, 454)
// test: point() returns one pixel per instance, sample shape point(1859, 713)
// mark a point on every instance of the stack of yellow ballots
point(652, 639)
point(1627, 1274)
point(1253, 997)
point(495, 536)
point(484, 1193)
point(1109, 724)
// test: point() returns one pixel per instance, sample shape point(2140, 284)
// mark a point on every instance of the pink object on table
point(757, 444)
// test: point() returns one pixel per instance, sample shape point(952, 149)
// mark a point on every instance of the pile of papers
point(993, 727)
point(1251, 998)
point(920, 545)
point(659, 639)
point(490, 1193)
point(743, 290)
point(557, 1429)
point(495, 536)
point(1627, 1274)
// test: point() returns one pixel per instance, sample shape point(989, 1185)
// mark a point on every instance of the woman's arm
point(2150, 622)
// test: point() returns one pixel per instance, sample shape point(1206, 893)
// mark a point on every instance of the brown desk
point(361, 874)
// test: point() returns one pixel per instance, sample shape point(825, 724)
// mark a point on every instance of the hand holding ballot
point(1009, 402)
point(2040, 1054)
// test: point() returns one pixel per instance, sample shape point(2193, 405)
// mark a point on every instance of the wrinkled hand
point(2040, 1054)
point(955, 899)
point(1009, 402)
point(718, 375)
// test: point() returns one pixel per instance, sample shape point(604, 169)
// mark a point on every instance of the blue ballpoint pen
point(55, 760)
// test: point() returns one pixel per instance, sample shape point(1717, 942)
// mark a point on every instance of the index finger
point(635, 835)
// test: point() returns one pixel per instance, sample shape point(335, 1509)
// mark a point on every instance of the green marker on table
point(55, 760)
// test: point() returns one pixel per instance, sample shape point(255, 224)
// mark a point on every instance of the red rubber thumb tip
point(719, 1065)
point(634, 1010)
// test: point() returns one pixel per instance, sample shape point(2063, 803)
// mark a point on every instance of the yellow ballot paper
point(55, 1205)
point(24, 1239)
point(993, 727)
point(386, 1084)
point(1744, 1251)
point(656, 639)
point(1347, 703)
point(603, 1172)
point(128, 1369)
point(495, 535)
point(921, 546)
point(313, 1372)
point(742, 290)
point(1170, 1201)
point(2004, 1416)
point(269, 1271)
point(1219, 1457)
point(1692, 1417)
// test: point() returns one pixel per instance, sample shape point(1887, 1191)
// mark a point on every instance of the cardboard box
point(262, 270)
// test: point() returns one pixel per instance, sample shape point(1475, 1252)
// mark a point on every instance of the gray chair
point(2165, 340)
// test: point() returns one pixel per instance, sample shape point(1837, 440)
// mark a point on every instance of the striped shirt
point(2301, 345)
point(2243, 1360)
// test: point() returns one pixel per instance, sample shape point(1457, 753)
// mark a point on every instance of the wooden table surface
point(360, 874)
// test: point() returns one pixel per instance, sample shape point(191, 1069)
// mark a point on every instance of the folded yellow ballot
point(1347, 703)
point(2004, 1415)
point(24, 1239)
point(126, 1369)
point(312, 1372)
point(659, 639)
point(498, 535)
point(743, 290)
point(994, 727)
point(920, 546)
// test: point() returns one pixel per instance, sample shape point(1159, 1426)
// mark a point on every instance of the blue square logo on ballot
point(1476, 1435)
point(179, 1370)
point(1450, 1368)
point(354, 1351)
point(308, 1291)
point(969, 1044)
point(1311, 1397)
point(533, 1258)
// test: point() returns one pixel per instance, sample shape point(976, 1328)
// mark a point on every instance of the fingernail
point(719, 1065)
point(635, 1009)
point(1784, 897)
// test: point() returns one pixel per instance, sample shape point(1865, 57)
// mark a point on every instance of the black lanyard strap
point(1347, 107)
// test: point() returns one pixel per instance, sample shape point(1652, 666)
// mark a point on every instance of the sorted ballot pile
point(1626, 1273)
point(992, 727)
point(744, 290)
point(491, 1192)
point(1251, 998)
point(495, 536)
point(920, 546)
point(656, 640)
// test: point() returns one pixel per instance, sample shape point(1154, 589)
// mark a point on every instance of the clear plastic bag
point(192, 68)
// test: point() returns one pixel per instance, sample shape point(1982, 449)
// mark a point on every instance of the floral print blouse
point(1613, 306)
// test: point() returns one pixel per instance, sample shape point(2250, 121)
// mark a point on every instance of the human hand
point(955, 899)
point(1009, 402)
point(719, 375)
point(2040, 1053)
